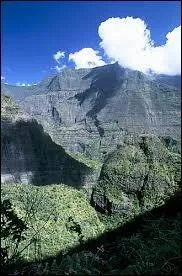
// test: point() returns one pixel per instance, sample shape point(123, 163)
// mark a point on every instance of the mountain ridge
point(165, 79)
point(90, 110)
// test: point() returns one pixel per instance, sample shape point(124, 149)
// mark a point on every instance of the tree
point(12, 232)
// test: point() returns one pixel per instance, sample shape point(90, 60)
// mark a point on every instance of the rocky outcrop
point(138, 177)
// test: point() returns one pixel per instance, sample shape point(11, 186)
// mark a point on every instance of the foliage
point(154, 250)
point(93, 164)
point(140, 176)
point(51, 213)
point(12, 232)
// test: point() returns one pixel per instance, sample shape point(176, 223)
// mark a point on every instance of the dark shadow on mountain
point(171, 209)
point(174, 81)
point(27, 150)
point(171, 144)
point(105, 82)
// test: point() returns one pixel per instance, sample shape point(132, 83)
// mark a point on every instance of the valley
point(86, 152)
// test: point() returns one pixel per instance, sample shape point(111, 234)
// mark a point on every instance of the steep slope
point(28, 154)
point(91, 110)
point(148, 245)
point(51, 214)
point(169, 80)
point(138, 177)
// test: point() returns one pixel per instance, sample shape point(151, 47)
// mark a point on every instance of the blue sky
point(32, 32)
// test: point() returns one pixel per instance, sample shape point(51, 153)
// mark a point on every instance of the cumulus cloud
point(2, 78)
point(58, 56)
point(166, 59)
point(86, 58)
point(128, 41)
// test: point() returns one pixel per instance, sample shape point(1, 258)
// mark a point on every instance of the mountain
point(91, 110)
point(114, 135)
point(29, 156)
point(169, 80)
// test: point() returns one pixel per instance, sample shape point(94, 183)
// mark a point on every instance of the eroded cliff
point(91, 110)
point(28, 154)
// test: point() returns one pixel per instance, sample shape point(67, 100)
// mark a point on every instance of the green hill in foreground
point(58, 217)
point(148, 246)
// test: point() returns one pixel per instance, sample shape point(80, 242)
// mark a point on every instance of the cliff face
point(28, 154)
point(91, 110)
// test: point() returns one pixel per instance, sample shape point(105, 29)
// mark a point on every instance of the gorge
point(110, 133)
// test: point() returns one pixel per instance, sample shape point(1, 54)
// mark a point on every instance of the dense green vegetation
point(154, 250)
point(151, 249)
point(12, 232)
point(52, 215)
point(52, 229)
point(59, 225)
point(139, 176)
point(92, 164)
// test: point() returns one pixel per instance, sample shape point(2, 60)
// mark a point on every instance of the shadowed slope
point(149, 244)
point(28, 154)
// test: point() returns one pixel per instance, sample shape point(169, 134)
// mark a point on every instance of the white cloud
point(166, 59)
point(86, 58)
point(58, 56)
point(128, 41)
point(59, 68)
point(2, 78)
point(23, 84)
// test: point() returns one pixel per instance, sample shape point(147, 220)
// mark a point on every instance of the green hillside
point(58, 217)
